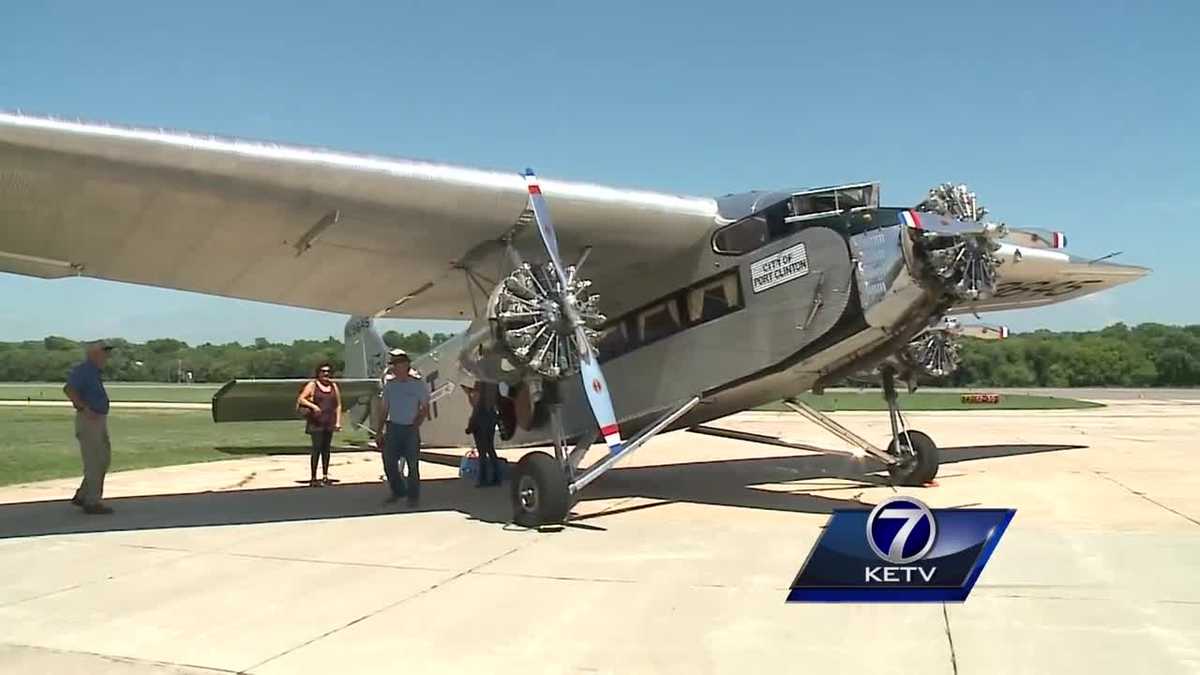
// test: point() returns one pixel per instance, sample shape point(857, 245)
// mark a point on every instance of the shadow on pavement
point(731, 482)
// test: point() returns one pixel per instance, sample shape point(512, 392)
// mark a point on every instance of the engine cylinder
point(528, 329)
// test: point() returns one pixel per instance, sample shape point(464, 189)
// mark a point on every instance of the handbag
point(305, 412)
point(468, 466)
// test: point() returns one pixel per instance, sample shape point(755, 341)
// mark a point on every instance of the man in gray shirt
point(405, 406)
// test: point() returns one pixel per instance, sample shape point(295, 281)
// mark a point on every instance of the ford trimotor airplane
point(705, 306)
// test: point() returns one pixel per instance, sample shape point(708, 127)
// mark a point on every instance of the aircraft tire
point(539, 491)
point(922, 466)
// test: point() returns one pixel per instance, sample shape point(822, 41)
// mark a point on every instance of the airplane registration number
point(780, 268)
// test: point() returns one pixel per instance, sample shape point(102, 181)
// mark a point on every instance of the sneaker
point(97, 509)
point(77, 501)
point(326, 481)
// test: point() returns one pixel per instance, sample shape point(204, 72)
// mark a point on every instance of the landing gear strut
point(911, 457)
point(544, 486)
point(914, 452)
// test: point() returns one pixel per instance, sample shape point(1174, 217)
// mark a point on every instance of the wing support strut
point(596, 470)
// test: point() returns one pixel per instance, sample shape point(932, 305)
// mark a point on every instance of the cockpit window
point(803, 209)
point(745, 235)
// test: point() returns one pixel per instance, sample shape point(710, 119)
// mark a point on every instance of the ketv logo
point(900, 551)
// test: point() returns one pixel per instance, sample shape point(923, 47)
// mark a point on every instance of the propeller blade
point(597, 392)
point(541, 213)
point(589, 369)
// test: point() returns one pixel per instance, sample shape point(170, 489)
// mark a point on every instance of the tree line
point(169, 360)
point(1147, 355)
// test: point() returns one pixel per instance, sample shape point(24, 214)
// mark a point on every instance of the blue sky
point(1079, 117)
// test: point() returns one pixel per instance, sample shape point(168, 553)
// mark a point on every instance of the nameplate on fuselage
point(780, 268)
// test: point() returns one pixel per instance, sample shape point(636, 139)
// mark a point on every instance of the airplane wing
point(1032, 276)
point(298, 226)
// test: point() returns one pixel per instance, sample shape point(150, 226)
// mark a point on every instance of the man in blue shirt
point(405, 406)
point(85, 388)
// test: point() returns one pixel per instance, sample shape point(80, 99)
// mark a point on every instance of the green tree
point(56, 343)
point(1119, 355)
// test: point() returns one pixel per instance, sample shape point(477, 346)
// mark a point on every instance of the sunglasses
point(324, 371)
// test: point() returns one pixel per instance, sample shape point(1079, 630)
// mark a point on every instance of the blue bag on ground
point(468, 467)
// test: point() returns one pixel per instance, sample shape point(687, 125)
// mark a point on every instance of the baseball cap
point(97, 345)
point(397, 353)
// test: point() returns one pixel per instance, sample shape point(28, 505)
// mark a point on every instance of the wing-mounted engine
point(934, 353)
point(525, 331)
point(529, 322)
point(539, 329)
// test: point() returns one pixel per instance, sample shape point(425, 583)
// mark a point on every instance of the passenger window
point(715, 298)
point(742, 236)
point(614, 341)
point(658, 321)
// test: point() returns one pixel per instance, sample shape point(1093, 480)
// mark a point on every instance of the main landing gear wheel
point(540, 495)
point(918, 456)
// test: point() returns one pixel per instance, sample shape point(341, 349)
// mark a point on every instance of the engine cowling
point(525, 331)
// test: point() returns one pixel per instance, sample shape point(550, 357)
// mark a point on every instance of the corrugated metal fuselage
point(778, 343)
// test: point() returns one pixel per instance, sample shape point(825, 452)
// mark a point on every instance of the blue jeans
point(403, 443)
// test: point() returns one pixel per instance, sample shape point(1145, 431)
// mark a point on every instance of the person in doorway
point(481, 425)
point(85, 388)
point(405, 407)
point(321, 403)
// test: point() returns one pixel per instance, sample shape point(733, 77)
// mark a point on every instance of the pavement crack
point(950, 639)
point(109, 577)
point(112, 658)
point(1148, 498)
point(340, 563)
point(555, 577)
point(380, 610)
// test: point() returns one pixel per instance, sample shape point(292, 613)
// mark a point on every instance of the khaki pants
point(96, 451)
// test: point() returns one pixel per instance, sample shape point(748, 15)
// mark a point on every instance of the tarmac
point(677, 561)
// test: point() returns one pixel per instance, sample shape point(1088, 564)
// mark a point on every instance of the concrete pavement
point(678, 561)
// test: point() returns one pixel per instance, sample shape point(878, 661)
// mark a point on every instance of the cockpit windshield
point(785, 217)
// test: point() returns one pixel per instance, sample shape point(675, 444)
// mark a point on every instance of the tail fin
point(366, 353)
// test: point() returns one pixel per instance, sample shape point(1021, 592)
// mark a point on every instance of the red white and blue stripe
point(911, 219)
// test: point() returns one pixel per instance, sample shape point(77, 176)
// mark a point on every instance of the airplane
point(608, 314)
